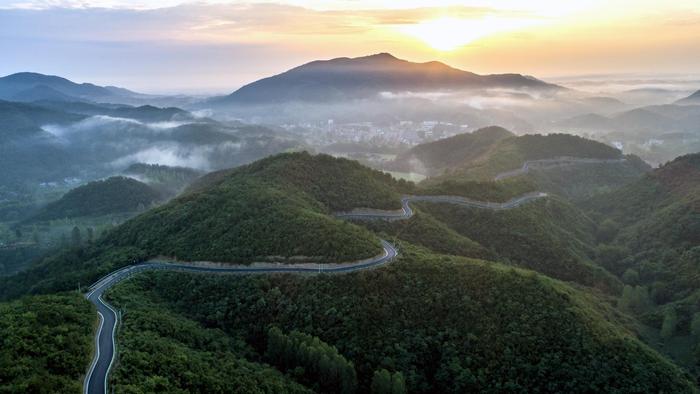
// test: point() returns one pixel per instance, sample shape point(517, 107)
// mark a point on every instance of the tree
point(607, 231)
point(611, 257)
point(381, 382)
point(695, 325)
point(630, 277)
point(398, 384)
point(635, 299)
point(668, 327)
point(76, 237)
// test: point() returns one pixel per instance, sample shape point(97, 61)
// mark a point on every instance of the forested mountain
point(366, 77)
point(276, 209)
point(433, 158)
point(472, 160)
point(103, 197)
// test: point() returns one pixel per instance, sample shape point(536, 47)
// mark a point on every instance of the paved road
point(96, 380)
point(554, 162)
point(406, 212)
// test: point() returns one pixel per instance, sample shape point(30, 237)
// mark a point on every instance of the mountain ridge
point(364, 77)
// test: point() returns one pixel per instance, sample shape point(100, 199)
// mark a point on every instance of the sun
point(447, 34)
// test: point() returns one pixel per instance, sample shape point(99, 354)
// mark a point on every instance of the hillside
point(276, 209)
point(571, 166)
point(652, 236)
point(433, 158)
point(442, 324)
point(657, 219)
point(104, 197)
point(366, 77)
point(550, 236)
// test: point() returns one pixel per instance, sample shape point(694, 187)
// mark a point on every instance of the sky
point(170, 46)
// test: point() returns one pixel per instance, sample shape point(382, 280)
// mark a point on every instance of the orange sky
point(228, 43)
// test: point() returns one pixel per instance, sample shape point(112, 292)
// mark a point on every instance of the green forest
point(437, 320)
point(45, 343)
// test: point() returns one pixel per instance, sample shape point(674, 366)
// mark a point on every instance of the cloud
point(170, 155)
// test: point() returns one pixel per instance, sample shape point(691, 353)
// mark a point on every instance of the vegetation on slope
point(549, 236)
point(511, 153)
point(651, 239)
point(277, 209)
point(433, 158)
point(161, 351)
point(45, 343)
point(104, 197)
point(580, 182)
point(446, 324)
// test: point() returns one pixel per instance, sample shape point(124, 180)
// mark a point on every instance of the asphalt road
point(406, 211)
point(105, 342)
point(555, 162)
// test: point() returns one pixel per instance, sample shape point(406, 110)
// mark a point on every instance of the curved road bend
point(406, 212)
point(96, 380)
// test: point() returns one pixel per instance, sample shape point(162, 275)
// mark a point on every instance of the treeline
point(313, 361)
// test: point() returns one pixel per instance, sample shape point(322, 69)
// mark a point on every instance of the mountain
point(473, 161)
point(28, 86)
point(143, 113)
point(511, 152)
point(435, 157)
point(366, 77)
point(693, 99)
point(104, 197)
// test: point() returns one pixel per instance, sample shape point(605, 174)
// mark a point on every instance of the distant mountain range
point(668, 118)
point(365, 77)
point(28, 87)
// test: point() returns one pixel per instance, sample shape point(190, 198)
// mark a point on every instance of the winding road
point(555, 162)
point(406, 212)
point(105, 342)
